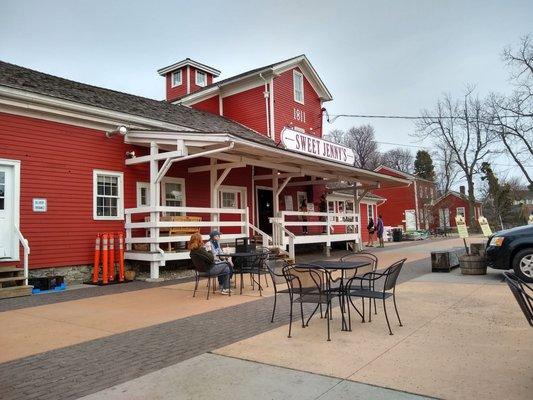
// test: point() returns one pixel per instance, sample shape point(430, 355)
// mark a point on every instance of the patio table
point(342, 266)
point(245, 256)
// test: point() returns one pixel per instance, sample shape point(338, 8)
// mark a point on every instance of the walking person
point(370, 228)
point(379, 231)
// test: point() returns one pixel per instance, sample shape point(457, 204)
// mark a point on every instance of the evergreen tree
point(500, 200)
point(424, 166)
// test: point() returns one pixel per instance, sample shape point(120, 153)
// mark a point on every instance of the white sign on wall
point(314, 146)
point(40, 205)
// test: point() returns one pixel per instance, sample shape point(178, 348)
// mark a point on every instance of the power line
point(332, 117)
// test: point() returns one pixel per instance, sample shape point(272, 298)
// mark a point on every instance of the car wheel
point(523, 264)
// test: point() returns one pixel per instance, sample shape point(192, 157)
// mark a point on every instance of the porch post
point(275, 207)
point(154, 215)
point(213, 175)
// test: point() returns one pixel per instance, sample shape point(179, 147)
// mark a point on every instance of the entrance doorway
point(265, 209)
point(9, 187)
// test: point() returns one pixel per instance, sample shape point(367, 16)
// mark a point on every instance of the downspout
point(416, 205)
point(266, 94)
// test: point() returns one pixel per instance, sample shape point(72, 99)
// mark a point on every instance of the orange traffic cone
point(105, 251)
point(96, 266)
point(120, 257)
point(111, 265)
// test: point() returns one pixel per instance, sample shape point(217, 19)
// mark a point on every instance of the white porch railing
point(339, 226)
point(142, 228)
point(25, 245)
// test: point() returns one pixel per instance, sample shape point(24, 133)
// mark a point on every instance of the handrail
point(266, 236)
point(26, 247)
point(184, 209)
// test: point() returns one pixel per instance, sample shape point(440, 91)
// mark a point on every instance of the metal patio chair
point(364, 256)
point(308, 284)
point(202, 265)
point(252, 264)
point(523, 294)
point(275, 267)
point(364, 287)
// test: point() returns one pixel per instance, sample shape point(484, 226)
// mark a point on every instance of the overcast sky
point(376, 57)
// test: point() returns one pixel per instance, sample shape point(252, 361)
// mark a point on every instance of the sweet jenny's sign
point(313, 146)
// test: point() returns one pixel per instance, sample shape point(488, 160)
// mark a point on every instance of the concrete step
point(11, 279)
point(15, 291)
point(10, 270)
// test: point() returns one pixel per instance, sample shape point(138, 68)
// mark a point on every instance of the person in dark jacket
point(370, 228)
point(379, 230)
point(210, 265)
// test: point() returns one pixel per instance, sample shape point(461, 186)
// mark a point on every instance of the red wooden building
point(451, 204)
point(409, 207)
point(242, 154)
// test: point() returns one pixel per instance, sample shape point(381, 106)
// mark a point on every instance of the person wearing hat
point(214, 245)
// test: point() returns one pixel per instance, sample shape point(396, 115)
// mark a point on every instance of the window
point(2, 190)
point(108, 200)
point(370, 211)
point(176, 78)
point(228, 199)
point(201, 78)
point(460, 211)
point(173, 194)
point(298, 80)
point(143, 194)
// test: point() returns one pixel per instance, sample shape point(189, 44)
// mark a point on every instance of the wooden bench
point(177, 230)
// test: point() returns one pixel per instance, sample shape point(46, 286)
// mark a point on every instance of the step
point(12, 279)
point(10, 269)
point(15, 291)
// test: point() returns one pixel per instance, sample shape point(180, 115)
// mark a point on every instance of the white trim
point(16, 204)
point(120, 196)
point(180, 82)
point(188, 62)
point(139, 186)
point(196, 72)
point(272, 132)
point(294, 75)
point(188, 79)
point(242, 190)
point(21, 102)
point(168, 179)
point(220, 105)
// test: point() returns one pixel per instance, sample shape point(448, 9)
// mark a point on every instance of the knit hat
point(213, 234)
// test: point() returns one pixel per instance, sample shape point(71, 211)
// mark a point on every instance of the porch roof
point(262, 154)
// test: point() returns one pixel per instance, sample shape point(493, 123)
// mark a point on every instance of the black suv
point(512, 248)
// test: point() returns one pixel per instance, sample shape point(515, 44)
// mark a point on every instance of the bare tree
point(447, 171)
point(461, 127)
point(512, 116)
point(362, 141)
point(398, 158)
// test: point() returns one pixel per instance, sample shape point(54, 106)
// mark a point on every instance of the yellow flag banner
point(485, 228)
point(462, 230)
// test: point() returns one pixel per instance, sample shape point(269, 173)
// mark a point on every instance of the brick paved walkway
point(75, 371)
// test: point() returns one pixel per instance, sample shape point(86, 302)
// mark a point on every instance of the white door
point(444, 218)
point(7, 212)
point(410, 220)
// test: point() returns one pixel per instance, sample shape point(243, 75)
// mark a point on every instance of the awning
point(257, 153)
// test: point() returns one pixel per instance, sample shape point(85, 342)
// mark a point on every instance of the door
point(444, 218)
point(265, 209)
point(7, 213)
point(410, 220)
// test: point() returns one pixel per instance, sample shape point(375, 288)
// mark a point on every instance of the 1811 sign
point(313, 146)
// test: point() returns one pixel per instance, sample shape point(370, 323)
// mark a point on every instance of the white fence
point(334, 227)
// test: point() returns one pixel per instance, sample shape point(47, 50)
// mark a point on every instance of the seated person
point(196, 247)
point(214, 245)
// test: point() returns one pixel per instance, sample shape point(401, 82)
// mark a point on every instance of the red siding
point(285, 106)
point(452, 202)
point(210, 105)
point(247, 108)
point(174, 92)
point(398, 200)
point(57, 162)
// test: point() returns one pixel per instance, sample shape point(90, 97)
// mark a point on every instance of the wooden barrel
point(473, 265)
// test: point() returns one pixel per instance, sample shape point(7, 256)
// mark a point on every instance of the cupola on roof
point(192, 63)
